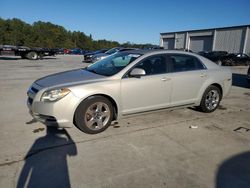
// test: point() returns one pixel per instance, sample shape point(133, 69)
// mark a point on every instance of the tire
point(40, 56)
point(210, 99)
point(23, 56)
point(248, 81)
point(219, 62)
point(32, 56)
point(94, 115)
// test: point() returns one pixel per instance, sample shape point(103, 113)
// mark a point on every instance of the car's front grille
point(30, 101)
point(34, 89)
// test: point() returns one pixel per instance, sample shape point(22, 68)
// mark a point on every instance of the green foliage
point(45, 34)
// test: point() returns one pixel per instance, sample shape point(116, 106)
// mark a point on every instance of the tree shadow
point(46, 161)
point(234, 172)
point(240, 80)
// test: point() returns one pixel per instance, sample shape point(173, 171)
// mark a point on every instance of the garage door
point(168, 43)
point(202, 43)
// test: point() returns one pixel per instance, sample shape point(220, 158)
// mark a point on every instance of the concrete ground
point(154, 150)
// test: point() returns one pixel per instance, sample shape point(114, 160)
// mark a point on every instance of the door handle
point(165, 79)
point(203, 75)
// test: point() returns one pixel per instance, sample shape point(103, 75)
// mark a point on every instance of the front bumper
point(47, 120)
point(59, 113)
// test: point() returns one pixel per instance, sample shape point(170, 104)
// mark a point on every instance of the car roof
point(157, 51)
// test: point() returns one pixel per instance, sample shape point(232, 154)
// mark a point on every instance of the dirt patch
point(38, 130)
point(222, 108)
point(247, 94)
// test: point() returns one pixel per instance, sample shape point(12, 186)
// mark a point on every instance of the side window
point(153, 65)
point(180, 63)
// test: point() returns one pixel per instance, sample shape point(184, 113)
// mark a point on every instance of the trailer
point(26, 52)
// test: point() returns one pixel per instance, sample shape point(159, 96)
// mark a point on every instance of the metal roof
point(195, 30)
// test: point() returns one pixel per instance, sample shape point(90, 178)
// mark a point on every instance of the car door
point(148, 92)
point(188, 75)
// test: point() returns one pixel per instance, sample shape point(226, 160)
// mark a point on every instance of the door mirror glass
point(137, 72)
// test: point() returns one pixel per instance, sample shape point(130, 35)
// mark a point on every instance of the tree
point(45, 34)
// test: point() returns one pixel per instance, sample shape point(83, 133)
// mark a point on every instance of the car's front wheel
point(94, 115)
point(210, 99)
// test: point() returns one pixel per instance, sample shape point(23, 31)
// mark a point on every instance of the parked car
point(216, 56)
point(77, 51)
point(126, 83)
point(66, 51)
point(235, 59)
point(101, 56)
point(88, 56)
point(154, 47)
point(184, 49)
point(203, 53)
point(58, 50)
point(248, 75)
point(226, 59)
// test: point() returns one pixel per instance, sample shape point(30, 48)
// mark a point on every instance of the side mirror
point(137, 72)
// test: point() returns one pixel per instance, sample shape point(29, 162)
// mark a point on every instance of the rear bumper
point(227, 85)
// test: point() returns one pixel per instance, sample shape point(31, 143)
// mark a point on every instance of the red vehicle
point(66, 51)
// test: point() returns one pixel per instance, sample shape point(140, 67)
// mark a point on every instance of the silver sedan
point(127, 83)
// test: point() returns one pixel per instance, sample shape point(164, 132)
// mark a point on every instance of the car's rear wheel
point(32, 56)
point(219, 62)
point(210, 99)
point(94, 115)
point(248, 75)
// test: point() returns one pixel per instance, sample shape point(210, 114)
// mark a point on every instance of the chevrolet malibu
point(127, 83)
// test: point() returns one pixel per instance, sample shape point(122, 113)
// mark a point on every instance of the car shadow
point(46, 161)
point(234, 172)
point(10, 58)
point(240, 80)
point(48, 58)
point(14, 58)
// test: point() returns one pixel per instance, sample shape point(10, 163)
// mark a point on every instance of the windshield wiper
point(93, 71)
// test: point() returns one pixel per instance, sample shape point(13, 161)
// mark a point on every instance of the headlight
point(54, 95)
point(100, 58)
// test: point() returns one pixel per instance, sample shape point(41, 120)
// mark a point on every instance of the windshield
point(113, 63)
point(99, 51)
point(111, 51)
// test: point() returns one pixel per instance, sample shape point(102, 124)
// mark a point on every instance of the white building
point(231, 39)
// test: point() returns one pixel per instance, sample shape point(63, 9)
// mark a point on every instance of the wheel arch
point(114, 104)
point(219, 87)
point(112, 101)
point(203, 89)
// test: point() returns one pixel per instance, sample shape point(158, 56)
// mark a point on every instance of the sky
point(136, 21)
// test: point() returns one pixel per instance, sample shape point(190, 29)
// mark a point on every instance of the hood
point(100, 55)
point(90, 53)
point(68, 78)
